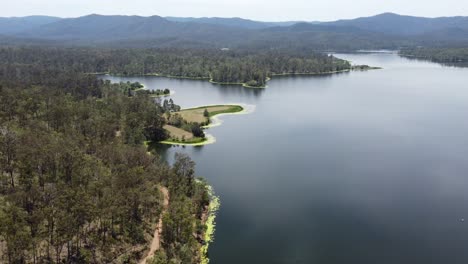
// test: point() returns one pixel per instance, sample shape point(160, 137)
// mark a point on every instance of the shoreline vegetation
point(237, 67)
point(195, 120)
point(209, 223)
point(205, 235)
point(244, 84)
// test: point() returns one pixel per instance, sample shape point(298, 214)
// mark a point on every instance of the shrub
point(197, 131)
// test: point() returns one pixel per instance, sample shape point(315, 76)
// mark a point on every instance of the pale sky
point(265, 10)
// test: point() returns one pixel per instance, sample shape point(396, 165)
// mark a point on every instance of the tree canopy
point(77, 184)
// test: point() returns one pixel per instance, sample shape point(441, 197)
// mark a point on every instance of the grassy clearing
point(196, 115)
point(178, 136)
point(177, 133)
point(230, 109)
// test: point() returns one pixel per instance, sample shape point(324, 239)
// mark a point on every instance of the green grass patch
point(197, 115)
point(194, 140)
point(232, 109)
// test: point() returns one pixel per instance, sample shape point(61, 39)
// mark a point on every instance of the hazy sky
point(266, 10)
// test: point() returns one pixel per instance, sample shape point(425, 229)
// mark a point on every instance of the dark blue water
point(366, 167)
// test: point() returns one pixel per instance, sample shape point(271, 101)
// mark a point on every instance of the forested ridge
point(77, 184)
point(242, 67)
point(382, 31)
point(442, 55)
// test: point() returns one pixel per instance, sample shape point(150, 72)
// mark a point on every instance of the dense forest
point(77, 184)
point(442, 55)
point(222, 66)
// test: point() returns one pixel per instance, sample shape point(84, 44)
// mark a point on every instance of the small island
point(186, 127)
point(159, 93)
point(364, 68)
point(134, 88)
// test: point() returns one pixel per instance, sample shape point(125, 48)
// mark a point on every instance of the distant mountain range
point(13, 25)
point(233, 22)
point(386, 30)
point(391, 23)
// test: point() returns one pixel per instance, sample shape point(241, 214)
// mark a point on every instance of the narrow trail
point(156, 242)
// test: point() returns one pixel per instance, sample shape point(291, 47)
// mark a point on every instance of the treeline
point(442, 55)
point(243, 67)
point(77, 184)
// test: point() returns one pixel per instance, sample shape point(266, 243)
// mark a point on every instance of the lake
point(356, 168)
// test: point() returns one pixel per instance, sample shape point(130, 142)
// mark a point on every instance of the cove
point(361, 167)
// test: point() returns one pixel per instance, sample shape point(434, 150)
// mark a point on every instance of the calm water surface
point(366, 167)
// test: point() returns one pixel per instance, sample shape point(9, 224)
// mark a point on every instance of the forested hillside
point(442, 55)
point(232, 22)
point(395, 24)
point(77, 184)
